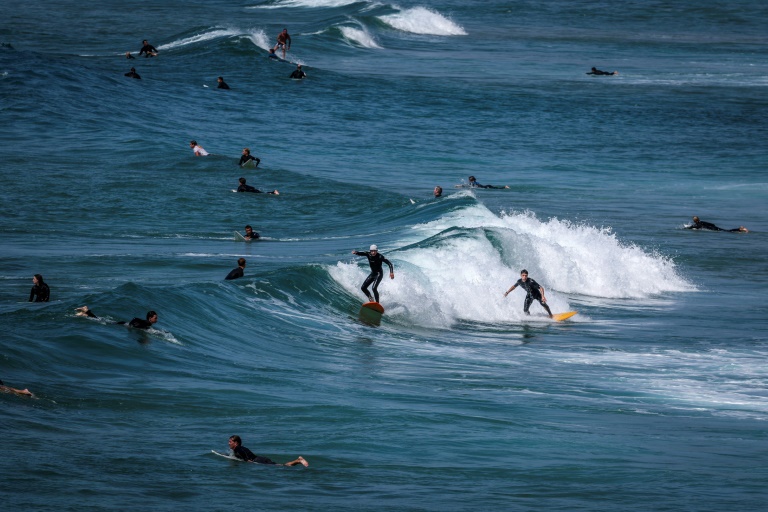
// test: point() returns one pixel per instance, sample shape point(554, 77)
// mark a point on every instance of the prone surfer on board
point(137, 323)
point(596, 71)
point(243, 453)
point(700, 224)
point(247, 188)
point(375, 260)
point(534, 292)
point(474, 184)
point(197, 149)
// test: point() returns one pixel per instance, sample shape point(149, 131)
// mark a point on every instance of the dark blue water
point(653, 396)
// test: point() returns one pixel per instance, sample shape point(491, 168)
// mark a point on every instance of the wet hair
point(150, 314)
point(39, 279)
point(471, 178)
point(220, 78)
point(248, 227)
point(193, 142)
point(247, 150)
point(241, 262)
point(236, 439)
point(242, 181)
point(524, 272)
point(695, 219)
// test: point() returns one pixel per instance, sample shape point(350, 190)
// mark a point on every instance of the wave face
point(456, 399)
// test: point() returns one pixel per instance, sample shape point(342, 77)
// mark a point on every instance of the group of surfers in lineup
point(283, 43)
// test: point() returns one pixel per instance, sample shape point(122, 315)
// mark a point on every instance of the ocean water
point(653, 397)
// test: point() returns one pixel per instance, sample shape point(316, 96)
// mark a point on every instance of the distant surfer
point(474, 184)
point(197, 149)
point(9, 389)
point(40, 291)
point(243, 453)
point(298, 73)
point(598, 72)
point(137, 323)
point(129, 56)
point(250, 234)
point(147, 49)
point(133, 74)
point(272, 54)
point(700, 224)
point(438, 191)
point(534, 291)
point(222, 83)
point(238, 272)
point(247, 157)
point(247, 188)
point(283, 41)
point(375, 260)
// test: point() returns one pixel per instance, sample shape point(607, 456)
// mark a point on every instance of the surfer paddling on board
point(137, 323)
point(375, 260)
point(247, 188)
point(248, 157)
point(599, 72)
point(474, 184)
point(283, 41)
point(534, 292)
point(197, 149)
point(700, 224)
point(243, 453)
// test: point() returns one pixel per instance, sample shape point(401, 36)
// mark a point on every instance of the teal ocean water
point(652, 397)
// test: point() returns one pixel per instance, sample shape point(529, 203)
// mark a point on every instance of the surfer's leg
point(376, 285)
point(544, 305)
point(527, 304)
point(301, 460)
point(366, 284)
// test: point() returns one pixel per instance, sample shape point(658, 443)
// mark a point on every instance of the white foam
point(198, 38)
point(260, 39)
point(360, 37)
point(306, 3)
point(421, 20)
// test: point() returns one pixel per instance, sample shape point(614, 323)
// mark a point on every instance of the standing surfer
point(283, 41)
point(375, 260)
point(534, 292)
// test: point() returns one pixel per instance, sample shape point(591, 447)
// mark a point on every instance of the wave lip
point(421, 20)
point(306, 3)
point(359, 37)
point(197, 38)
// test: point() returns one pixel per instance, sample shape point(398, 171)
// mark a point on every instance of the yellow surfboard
point(563, 316)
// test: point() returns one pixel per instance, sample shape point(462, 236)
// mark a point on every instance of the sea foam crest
point(421, 20)
point(306, 3)
point(359, 37)
point(197, 38)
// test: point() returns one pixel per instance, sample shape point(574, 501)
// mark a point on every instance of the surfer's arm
point(391, 268)
point(508, 291)
point(541, 290)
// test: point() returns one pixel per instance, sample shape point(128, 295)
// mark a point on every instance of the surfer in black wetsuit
point(298, 74)
point(700, 224)
point(247, 156)
point(534, 292)
point(474, 184)
point(133, 74)
point(138, 323)
point(375, 260)
point(596, 71)
point(222, 83)
point(147, 50)
point(243, 453)
point(40, 291)
point(250, 234)
point(247, 188)
point(238, 272)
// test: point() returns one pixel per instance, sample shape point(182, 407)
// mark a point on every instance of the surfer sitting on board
point(474, 184)
point(375, 260)
point(222, 83)
point(247, 157)
point(298, 74)
point(138, 323)
point(196, 149)
point(133, 74)
point(243, 453)
point(247, 188)
point(596, 71)
point(40, 291)
point(700, 224)
point(283, 41)
point(534, 292)
point(147, 49)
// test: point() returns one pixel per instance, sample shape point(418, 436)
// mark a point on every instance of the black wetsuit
point(139, 323)
point(245, 158)
point(222, 85)
point(377, 273)
point(532, 289)
point(40, 293)
point(297, 73)
point(600, 72)
point(147, 50)
point(235, 274)
point(248, 188)
point(243, 453)
point(133, 74)
point(475, 184)
point(711, 227)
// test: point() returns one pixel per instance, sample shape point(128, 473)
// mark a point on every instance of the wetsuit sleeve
point(391, 268)
point(32, 294)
